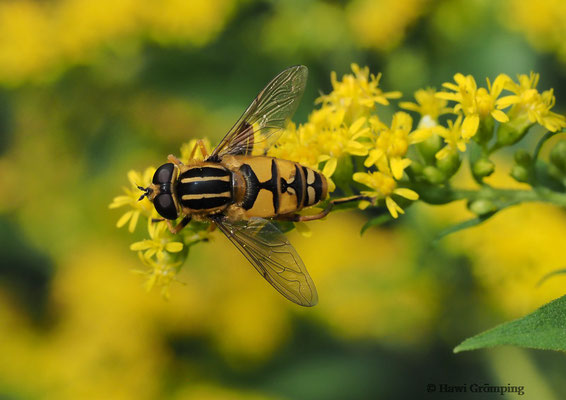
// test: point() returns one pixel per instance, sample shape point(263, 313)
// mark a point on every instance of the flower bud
point(449, 165)
point(520, 173)
point(522, 157)
point(556, 173)
point(434, 175)
point(416, 167)
point(482, 207)
point(514, 130)
point(483, 167)
point(429, 148)
point(558, 155)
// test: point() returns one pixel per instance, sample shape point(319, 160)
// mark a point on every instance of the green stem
point(542, 140)
point(536, 153)
point(511, 196)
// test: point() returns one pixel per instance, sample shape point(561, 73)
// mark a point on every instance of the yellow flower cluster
point(345, 125)
point(39, 39)
point(163, 252)
point(527, 102)
point(476, 107)
point(335, 129)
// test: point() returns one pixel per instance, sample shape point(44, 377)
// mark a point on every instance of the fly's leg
point(324, 213)
point(198, 144)
point(176, 229)
point(175, 160)
point(211, 227)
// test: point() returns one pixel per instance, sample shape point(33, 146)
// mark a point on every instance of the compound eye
point(165, 206)
point(163, 174)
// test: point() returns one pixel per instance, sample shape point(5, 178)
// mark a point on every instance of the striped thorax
point(205, 188)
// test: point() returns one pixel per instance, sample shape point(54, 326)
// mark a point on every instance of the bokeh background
point(92, 89)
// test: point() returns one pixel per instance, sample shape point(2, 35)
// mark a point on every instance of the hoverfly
point(240, 191)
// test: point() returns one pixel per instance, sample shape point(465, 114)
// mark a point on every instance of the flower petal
point(499, 116)
point(133, 221)
point(357, 125)
point(398, 165)
point(406, 193)
point(363, 178)
point(330, 167)
point(507, 101)
point(448, 96)
point(470, 126)
point(123, 219)
point(373, 157)
point(420, 135)
point(142, 245)
point(393, 207)
point(356, 149)
point(174, 247)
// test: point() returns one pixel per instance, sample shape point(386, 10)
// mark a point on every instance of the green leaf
point(543, 329)
point(459, 227)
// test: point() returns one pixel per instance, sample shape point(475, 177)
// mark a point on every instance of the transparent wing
point(270, 252)
point(263, 122)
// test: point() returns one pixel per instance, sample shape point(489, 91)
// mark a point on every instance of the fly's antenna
point(146, 192)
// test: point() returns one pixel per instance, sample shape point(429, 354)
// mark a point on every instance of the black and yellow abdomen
point(205, 188)
point(277, 187)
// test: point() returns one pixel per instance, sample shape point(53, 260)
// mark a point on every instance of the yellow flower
point(357, 94)
point(475, 103)
point(338, 140)
point(526, 100)
point(131, 199)
point(428, 104)
point(160, 241)
point(384, 187)
point(486, 99)
point(393, 143)
point(160, 273)
point(456, 136)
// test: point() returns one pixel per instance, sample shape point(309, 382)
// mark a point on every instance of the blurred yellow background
point(90, 90)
